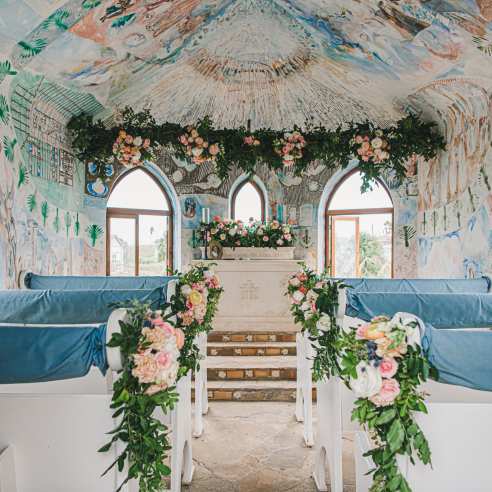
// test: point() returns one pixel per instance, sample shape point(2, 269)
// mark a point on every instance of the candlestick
point(206, 215)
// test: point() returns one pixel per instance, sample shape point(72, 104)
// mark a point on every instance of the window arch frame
point(329, 237)
point(134, 213)
point(258, 189)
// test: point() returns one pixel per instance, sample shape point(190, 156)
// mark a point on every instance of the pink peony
point(390, 389)
point(164, 359)
point(388, 367)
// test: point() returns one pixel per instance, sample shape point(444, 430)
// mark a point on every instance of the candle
point(206, 215)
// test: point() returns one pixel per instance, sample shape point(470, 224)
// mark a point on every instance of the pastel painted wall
point(47, 223)
point(454, 222)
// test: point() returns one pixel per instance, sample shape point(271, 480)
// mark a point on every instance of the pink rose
point(388, 393)
point(388, 367)
point(163, 325)
point(164, 359)
point(265, 238)
point(146, 142)
point(183, 139)
point(365, 146)
point(180, 338)
point(287, 237)
point(214, 149)
point(358, 139)
point(248, 140)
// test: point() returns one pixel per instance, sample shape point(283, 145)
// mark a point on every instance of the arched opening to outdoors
point(248, 202)
point(139, 238)
point(359, 230)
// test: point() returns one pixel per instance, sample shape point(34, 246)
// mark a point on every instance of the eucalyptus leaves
point(408, 138)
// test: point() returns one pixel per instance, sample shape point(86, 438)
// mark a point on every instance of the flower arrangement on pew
point(150, 348)
point(235, 233)
point(195, 304)
point(314, 304)
point(384, 365)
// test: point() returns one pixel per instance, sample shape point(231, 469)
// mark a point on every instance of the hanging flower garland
point(132, 151)
point(378, 150)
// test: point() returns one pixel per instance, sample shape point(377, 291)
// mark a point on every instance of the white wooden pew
point(459, 430)
point(50, 433)
point(304, 386)
point(201, 390)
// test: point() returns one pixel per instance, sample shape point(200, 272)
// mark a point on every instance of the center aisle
point(256, 447)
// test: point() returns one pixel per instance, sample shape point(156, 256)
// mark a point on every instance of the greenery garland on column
point(137, 137)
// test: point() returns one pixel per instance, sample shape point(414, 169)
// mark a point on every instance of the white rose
point(208, 274)
point(306, 306)
point(295, 282)
point(368, 382)
point(137, 141)
point(376, 143)
point(311, 295)
point(186, 290)
point(233, 231)
point(196, 151)
point(324, 323)
point(298, 296)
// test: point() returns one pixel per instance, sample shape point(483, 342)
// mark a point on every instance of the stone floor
point(256, 447)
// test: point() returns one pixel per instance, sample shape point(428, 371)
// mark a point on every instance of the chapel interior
point(245, 245)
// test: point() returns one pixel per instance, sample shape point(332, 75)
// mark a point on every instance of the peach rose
point(155, 388)
point(388, 367)
point(164, 359)
point(384, 349)
point(180, 338)
point(390, 389)
point(146, 368)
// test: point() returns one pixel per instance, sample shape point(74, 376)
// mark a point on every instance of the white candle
point(206, 215)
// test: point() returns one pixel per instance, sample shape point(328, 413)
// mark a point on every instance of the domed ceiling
point(275, 62)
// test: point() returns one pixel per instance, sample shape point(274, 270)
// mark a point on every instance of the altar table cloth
point(69, 306)
point(441, 310)
point(81, 282)
point(34, 354)
point(450, 285)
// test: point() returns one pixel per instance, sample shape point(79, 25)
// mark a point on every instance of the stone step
point(251, 336)
point(251, 368)
point(283, 391)
point(230, 349)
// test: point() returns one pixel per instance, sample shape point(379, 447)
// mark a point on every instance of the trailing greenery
point(144, 436)
point(409, 137)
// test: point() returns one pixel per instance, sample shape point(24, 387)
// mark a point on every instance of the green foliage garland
point(409, 137)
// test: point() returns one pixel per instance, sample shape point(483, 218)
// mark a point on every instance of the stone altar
point(253, 297)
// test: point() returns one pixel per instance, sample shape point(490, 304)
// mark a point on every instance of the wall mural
point(305, 59)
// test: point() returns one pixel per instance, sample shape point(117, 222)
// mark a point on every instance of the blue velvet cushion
point(68, 307)
point(462, 358)
point(74, 282)
point(30, 354)
point(452, 285)
point(438, 309)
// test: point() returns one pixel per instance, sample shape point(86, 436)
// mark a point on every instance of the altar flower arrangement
point(371, 148)
point(384, 365)
point(235, 233)
point(197, 148)
point(132, 151)
point(289, 147)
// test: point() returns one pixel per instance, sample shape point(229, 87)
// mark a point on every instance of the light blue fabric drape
point(453, 285)
point(69, 306)
point(75, 282)
point(439, 310)
point(462, 358)
point(30, 354)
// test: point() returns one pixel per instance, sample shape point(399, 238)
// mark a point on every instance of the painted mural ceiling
point(275, 62)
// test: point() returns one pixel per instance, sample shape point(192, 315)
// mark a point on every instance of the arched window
point(359, 230)
point(139, 226)
point(248, 202)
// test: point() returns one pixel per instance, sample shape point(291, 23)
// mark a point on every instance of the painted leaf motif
point(32, 49)
point(68, 222)
point(95, 232)
point(57, 19)
point(44, 211)
point(4, 110)
point(56, 222)
point(31, 202)
point(6, 69)
point(8, 148)
point(90, 4)
point(23, 175)
point(76, 226)
point(123, 20)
